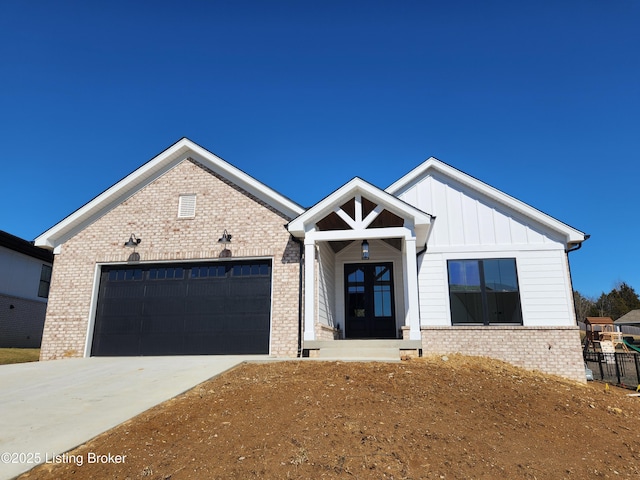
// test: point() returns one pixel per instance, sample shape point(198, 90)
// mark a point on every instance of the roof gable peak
point(181, 150)
point(432, 164)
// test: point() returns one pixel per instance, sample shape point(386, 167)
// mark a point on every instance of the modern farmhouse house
point(190, 255)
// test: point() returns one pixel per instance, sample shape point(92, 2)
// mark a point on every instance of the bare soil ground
point(463, 418)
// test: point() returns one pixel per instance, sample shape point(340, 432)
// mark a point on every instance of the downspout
point(579, 246)
point(300, 293)
point(574, 249)
point(418, 255)
point(425, 243)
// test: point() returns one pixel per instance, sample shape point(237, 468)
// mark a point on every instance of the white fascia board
point(572, 235)
point(356, 186)
point(110, 198)
point(148, 172)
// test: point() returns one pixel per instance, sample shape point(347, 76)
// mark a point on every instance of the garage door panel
point(169, 288)
point(162, 324)
point(163, 306)
point(230, 344)
point(238, 305)
point(113, 345)
point(123, 290)
point(184, 309)
point(122, 325)
point(204, 323)
point(204, 305)
point(254, 285)
point(161, 344)
point(208, 288)
point(119, 308)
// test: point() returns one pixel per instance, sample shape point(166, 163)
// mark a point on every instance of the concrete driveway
point(48, 408)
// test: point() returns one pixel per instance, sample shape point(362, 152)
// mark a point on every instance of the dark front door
point(370, 309)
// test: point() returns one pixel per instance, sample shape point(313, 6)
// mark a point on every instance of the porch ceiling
point(336, 246)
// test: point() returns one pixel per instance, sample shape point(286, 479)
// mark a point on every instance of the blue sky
point(539, 99)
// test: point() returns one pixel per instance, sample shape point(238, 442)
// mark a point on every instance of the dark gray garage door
point(184, 309)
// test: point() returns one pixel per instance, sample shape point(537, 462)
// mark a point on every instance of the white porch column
point(412, 307)
point(309, 289)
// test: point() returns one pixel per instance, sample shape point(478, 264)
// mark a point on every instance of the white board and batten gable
point(184, 149)
point(476, 221)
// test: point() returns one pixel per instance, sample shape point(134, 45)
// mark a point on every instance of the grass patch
point(18, 355)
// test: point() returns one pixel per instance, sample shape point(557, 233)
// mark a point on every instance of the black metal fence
point(621, 369)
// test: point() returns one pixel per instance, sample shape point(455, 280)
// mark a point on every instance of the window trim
point(486, 317)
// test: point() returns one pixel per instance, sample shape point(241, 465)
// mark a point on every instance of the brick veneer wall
point(553, 350)
point(151, 213)
point(21, 322)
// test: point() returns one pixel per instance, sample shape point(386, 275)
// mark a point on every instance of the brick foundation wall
point(324, 332)
point(151, 213)
point(552, 350)
point(21, 322)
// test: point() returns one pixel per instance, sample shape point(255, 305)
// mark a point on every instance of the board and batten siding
point(466, 218)
point(471, 226)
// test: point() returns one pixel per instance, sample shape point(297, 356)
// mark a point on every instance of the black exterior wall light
point(225, 240)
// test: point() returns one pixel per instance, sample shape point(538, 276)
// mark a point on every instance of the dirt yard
point(459, 418)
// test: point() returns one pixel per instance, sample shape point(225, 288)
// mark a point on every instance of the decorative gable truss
point(361, 211)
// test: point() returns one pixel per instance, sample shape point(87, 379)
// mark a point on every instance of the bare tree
point(583, 305)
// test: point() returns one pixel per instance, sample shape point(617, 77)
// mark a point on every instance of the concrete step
point(369, 349)
point(352, 353)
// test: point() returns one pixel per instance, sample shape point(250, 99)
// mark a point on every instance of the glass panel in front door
point(369, 303)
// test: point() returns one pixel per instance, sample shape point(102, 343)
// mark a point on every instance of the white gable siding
point(465, 217)
point(326, 285)
point(469, 225)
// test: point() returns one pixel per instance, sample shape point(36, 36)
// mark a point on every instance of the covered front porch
point(360, 266)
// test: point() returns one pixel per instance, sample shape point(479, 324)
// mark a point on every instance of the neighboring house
point(25, 274)
point(629, 323)
point(439, 262)
point(629, 318)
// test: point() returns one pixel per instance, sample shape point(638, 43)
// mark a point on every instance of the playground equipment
point(633, 347)
point(595, 327)
point(615, 338)
point(601, 332)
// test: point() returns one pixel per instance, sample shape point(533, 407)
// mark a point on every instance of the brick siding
point(21, 322)
point(552, 350)
point(152, 214)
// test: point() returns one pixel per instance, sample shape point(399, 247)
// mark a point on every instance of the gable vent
point(187, 206)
